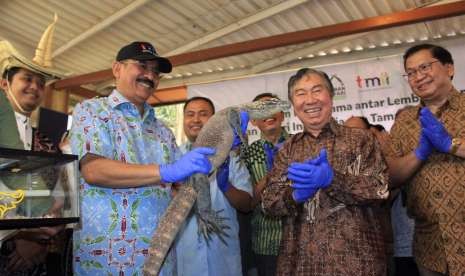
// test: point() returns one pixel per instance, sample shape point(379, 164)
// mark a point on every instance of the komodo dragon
point(217, 133)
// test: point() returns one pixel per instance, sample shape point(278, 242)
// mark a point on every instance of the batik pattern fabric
point(117, 224)
point(435, 193)
point(197, 257)
point(339, 231)
point(266, 230)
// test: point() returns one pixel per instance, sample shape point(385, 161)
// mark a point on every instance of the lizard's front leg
point(208, 220)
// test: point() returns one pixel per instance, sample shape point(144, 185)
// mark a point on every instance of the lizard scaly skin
point(217, 133)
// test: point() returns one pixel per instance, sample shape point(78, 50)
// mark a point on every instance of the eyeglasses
point(145, 67)
point(424, 68)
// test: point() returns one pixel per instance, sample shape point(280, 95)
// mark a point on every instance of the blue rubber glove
point(195, 161)
point(309, 176)
point(222, 176)
point(244, 122)
point(435, 131)
point(270, 152)
point(302, 195)
point(424, 147)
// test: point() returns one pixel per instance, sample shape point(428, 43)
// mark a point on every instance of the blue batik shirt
point(194, 256)
point(117, 224)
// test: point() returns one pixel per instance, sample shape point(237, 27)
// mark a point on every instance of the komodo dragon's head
point(259, 110)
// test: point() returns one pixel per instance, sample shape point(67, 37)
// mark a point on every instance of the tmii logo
point(382, 81)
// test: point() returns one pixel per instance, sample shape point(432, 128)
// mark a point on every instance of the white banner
point(373, 88)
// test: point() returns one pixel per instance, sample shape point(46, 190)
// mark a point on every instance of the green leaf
point(97, 264)
point(85, 264)
point(114, 208)
point(132, 155)
point(145, 239)
point(166, 152)
point(91, 263)
point(147, 192)
point(135, 205)
point(98, 239)
point(112, 226)
point(135, 227)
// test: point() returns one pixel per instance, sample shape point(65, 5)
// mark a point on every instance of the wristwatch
point(456, 142)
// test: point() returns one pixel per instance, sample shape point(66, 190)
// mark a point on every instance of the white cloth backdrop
point(372, 88)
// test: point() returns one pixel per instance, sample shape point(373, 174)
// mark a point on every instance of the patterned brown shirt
point(436, 192)
point(339, 231)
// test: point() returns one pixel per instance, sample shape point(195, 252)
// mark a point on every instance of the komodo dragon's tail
point(168, 227)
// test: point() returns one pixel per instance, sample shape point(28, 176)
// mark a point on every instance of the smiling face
point(27, 88)
point(433, 85)
point(135, 82)
point(312, 102)
point(270, 125)
point(196, 115)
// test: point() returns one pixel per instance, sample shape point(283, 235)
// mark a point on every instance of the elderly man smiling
point(128, 162)
point(326, 184)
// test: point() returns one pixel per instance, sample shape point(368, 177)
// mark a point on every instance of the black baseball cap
point(139, 50)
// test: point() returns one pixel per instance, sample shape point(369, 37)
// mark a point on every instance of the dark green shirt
point(9, 135)
point(266, 231)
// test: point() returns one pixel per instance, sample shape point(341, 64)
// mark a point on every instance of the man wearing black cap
point(128, 162)
point(137, 70)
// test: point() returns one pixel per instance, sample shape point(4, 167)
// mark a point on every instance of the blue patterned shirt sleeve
point(90, 133)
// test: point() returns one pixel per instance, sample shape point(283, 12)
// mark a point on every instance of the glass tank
point(37, 189)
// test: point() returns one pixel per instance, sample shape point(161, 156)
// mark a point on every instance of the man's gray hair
point(306, 72)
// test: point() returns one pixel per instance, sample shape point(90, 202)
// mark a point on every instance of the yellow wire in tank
point(13, 198)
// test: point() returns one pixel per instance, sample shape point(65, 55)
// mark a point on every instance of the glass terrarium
point(37, 189)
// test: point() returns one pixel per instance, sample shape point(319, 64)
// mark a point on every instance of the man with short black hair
point(128, 160)
point(230, 189)
point(428, 155)
point(207, 100)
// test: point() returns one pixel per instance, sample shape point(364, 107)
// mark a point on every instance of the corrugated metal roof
point(89, 33)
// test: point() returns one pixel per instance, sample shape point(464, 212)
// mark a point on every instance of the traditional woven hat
point(41, 63)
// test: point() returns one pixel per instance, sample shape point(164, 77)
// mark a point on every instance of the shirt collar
point(453, 102)
point(117, 101)
point(187, 146)
point(23, 119)
point(331, 128)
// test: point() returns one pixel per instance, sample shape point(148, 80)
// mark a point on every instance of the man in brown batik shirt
point(326, 184)
point(428, 154)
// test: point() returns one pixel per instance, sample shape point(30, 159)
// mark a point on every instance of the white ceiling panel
point(89, 33)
